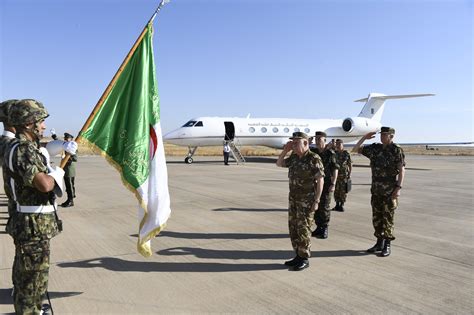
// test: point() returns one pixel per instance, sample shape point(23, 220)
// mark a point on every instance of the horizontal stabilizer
point(388, 97)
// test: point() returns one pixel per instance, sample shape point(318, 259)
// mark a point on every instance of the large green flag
point(126, 130)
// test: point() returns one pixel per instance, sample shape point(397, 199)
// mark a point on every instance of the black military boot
point(45, 309)
point(302, 264)
point(386, 251)
point(293, 262)
point(336, 208)
point(67, 203)
point(377, 247)
point(317, 232)
point(341, 207)
point(323, 234)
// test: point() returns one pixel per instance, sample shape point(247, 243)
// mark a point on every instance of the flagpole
point(114, 79)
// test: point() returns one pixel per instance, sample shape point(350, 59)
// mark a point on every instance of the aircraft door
point(229, 130)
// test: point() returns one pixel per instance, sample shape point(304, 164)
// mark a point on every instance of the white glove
point(58, 174)
point(53, 131)
point(70, 147)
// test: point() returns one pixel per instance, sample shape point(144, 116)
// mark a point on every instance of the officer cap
point(321, 134)
point(68, 136)
point(388, 129)
point(26, 111)
point(299, 135)
point(4, 109)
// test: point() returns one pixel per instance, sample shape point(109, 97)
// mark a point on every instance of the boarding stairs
point(235, 150)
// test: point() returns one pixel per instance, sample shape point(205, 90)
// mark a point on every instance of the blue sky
point(269, 58)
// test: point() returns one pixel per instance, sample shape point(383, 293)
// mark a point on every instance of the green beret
point(321, 134)
point(299, 135)
point(388, 129)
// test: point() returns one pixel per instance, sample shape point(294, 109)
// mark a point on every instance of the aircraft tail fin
point(375, 103)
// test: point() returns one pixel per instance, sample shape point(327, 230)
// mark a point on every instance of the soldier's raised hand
point(370, 135)
point(70, 147)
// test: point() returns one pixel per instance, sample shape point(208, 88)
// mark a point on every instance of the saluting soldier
point(331, 168)
point(70, 175)
point(30, 184)
point(306, 179)
point(387, 162)
point(345, 168)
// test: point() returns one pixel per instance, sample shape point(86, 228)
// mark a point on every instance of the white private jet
point(274, 132)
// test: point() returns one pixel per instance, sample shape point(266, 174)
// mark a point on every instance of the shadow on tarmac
point(250, 210)
point(208, 236)
point(6, 298)
point(120, 265)
point(227, 254)
point(339, 253)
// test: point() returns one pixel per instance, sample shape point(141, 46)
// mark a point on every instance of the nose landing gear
point(189, 158)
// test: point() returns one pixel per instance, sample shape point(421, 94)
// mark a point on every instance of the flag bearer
point(30, 183)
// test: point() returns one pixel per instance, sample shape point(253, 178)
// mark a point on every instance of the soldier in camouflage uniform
point(331, 168)
point(30, 184)
point(306, 179)
point(387, 162)
point(345, 168)
point(8, 130)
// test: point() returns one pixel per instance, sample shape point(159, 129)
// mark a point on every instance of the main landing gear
point(189, 159)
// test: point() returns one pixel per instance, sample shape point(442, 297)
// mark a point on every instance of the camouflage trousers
point(30, 274)
point(323, 214)
point(300, 220)
point(383, 211)
point(340, 192)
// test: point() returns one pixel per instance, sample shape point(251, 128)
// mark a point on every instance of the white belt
point(36, 209)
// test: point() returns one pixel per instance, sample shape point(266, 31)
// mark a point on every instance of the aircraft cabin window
point(189, 123)
point(198, 124)
point(306, 130)
point(286, 130)
point(252, 129)
point(264, 129)
point(297, 129)
point(275, 129)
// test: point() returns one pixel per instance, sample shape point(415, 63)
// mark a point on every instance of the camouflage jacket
point(303, 174)
point(344, 160)
point(329, 161)
point(384, 163)
point(27, 161)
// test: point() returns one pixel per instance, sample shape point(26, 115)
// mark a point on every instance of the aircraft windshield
point(198, 124)
point(189, 123)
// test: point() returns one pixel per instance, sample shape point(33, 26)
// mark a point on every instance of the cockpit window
point(190, 123)
point(198, 124)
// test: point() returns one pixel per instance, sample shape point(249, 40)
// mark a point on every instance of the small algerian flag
point(126, 130)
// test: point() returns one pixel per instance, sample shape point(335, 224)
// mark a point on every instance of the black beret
point(68, 135)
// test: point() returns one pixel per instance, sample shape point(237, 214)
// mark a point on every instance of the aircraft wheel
point(188, 160)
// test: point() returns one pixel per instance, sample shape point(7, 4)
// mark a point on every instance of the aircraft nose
point(174, 136)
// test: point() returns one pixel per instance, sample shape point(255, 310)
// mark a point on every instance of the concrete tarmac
point(227, 238)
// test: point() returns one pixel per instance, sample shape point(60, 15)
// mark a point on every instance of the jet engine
point(360, 125)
